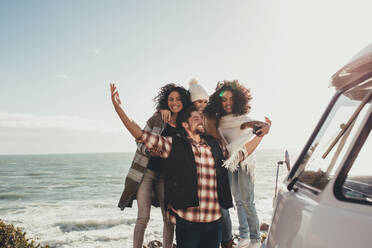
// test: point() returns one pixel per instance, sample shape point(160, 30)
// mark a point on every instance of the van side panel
point(291, 220)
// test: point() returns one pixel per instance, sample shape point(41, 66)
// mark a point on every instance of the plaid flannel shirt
point(209, 207)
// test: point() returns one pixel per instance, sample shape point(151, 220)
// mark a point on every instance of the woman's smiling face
point(174, 102)
point(227, 102)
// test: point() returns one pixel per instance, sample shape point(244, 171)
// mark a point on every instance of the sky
point(57, 59)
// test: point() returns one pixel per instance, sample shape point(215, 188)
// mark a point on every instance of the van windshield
point(329, 146)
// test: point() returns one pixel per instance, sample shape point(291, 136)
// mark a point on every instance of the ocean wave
point(92, 225)
point(109, 239)
point(62, 186)
point(39, 173)
point(13, 196)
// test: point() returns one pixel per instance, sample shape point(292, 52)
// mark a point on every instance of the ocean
point(70, 200)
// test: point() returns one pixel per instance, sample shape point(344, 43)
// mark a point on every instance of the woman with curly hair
point(229, 105)
point(146, 172)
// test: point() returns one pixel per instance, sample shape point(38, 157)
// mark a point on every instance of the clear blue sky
point(58, 57)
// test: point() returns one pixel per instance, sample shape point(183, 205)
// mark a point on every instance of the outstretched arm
point(265, 128)
point(132, 127)
point(252, 144)
point(251, 124)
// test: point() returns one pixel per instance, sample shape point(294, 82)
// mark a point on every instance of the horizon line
point(108, 152)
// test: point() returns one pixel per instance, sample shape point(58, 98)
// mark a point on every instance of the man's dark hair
point(241, 98)
point(184, 115)
point(161, 100)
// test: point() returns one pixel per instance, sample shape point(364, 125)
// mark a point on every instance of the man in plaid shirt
point(196, 184)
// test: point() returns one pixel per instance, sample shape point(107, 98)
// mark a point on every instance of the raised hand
point(132, 127)
point(115, 98)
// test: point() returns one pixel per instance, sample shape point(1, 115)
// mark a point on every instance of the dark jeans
point(198, 235)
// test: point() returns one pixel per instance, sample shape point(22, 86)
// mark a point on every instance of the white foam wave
point(92, 225)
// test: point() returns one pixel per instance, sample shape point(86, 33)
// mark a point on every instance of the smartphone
point(256, 128)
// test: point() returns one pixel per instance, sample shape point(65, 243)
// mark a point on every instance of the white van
point(326, 199)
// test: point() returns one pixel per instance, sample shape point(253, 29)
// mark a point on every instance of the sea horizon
point(109, 152)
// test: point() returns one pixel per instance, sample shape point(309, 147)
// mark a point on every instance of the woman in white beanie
point(199, 96)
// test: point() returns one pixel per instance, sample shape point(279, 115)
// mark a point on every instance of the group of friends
point(194, 156)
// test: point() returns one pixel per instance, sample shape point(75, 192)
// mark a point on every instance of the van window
point(358, 183)
point(328, 148)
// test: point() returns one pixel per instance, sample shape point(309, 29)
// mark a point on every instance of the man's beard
point(200, 130)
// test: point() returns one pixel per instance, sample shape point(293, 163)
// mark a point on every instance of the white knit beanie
point(197, 92)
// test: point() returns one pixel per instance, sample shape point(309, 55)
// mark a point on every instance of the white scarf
point(235, 140)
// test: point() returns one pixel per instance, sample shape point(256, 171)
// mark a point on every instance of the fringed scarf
point(235, 139)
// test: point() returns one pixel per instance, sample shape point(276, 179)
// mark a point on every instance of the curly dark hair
point(161, 100)
point(241, 95)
